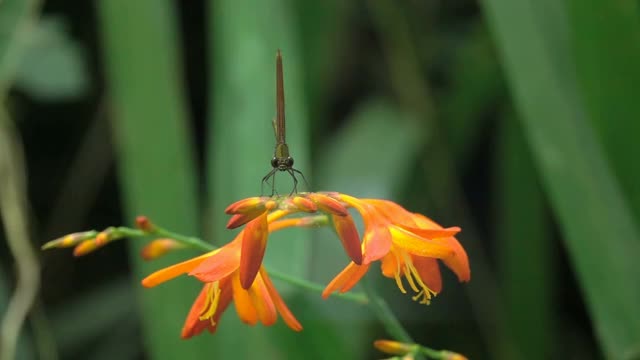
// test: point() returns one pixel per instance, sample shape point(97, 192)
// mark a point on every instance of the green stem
point(381, 309)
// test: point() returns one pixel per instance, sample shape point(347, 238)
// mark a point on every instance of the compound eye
point(274, 162)
point(289, 161)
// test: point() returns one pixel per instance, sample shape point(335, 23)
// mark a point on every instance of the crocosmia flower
point(407, 244)
point(219, 271)
point(253, 212)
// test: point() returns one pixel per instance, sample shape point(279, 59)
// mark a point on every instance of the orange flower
point(256, 213)
point(220, 271)
point(408, 246)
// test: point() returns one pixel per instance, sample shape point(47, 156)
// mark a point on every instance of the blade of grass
point(155, 155)
point(582, 190)
point(525, 245)
point(606, 44)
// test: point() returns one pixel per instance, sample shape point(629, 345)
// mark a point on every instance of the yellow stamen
point(396, 275)
point(211, 302)
point(406, 268)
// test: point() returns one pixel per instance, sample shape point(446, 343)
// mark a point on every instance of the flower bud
point(159, 247)
point(69, 240)
point(143, 223)
point(304, 204)
point(393, 347)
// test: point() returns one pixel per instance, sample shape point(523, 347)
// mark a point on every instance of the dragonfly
point(282, 160)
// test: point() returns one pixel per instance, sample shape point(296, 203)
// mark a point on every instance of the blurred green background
point(516, 120)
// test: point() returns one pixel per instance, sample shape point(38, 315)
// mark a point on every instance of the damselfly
point(282, 160)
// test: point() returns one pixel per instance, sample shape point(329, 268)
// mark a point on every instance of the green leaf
point(156, 165)
point(606, 39)
point(52, 66)
point(15, 21)
point(525, 245)
point(591, 207)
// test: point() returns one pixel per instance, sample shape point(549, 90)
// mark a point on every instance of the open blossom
point(408, 245)
point(219, 271)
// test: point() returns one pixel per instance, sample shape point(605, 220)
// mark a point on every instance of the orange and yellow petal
point(262, 302)
point(221, 264)
point(282, 308)
point(349, 237)
point(429, 272)
point(459, 261)
point(346, 279)
point(419, 246)
point(243, 303)
point(376, 243)
point(254, 243)
point(175, 270)
point(213, 300)
point(395, 213)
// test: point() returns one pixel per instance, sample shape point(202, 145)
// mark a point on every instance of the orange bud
point(241, 219)
point(449, 355)
point(254, 244)
point(348, 234)
point(69, 240)
point(102, 239)
point(328, 204)
point(159, 247)
point(143, 223)
point(304, 204)
point(85, 247)
point(394, 347)
point(246, 205)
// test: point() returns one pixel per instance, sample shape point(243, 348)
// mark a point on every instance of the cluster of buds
point(83, 242)
point(253, 212)
point(408, 351)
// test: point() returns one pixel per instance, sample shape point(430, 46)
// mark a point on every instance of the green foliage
point(52, 66)
point(586, 198)
point(531, 106)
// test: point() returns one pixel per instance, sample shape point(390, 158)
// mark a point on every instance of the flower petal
point(346, 279)
point(377, 243)
point(419, 246)
point(193, 324)
point(244, 306)
point(432, 233)
point(225, 261)
point(262, 302)
point(282, 308)
point(348, 234)
point(393, 212)
point(429, 272)
point(459, 262)
point(176, 270)
point(254, 244)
